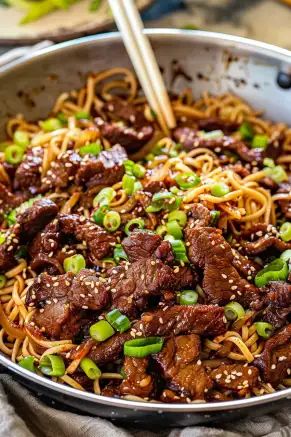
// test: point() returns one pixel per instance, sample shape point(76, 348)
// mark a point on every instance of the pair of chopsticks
point(130, 25)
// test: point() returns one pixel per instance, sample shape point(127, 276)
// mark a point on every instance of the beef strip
point(137, 381)
point(235, 377)
point(106, 169)
point(206, 320)
point(36, 217)
point(215, 123)
point(99, 242)
point(62, 171)
point(285, 205)
point(154, 186)
point(263, 243)
point(180, 367)
point(128, 137)
point(8, 248)
point(245, 266)
point(118, 109)
point(28, 173)
point(275, 360)
point(211, 252)
point(9, 200)
point(140, 244)
point(61, 299)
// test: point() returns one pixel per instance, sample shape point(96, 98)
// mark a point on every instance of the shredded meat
point(275, 360)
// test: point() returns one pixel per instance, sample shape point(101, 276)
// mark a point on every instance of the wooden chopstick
point(143, 59)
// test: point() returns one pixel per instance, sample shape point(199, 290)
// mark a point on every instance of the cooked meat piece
point(137, 382)
point(276, 304)
point(9, 200)
point(285, 205)
point(182, 319)
point(263, 243)
point(61, 299)
point(99, 242)
point(275, 360)
point(141, 244)
point(110, 350)
point(240, 170)
point(8, 248)
point(62, 171)
point(44, 248)
point(122, 110)
point(235, 376)
point(154, 187)
point(269, 183)
point(190, 139)
point(36, 217)
point(28, 173)
point(185, 278)
point(245, 266)
point(214, 123)
point(128, 137)
point(180, 367)
point(164, 252)
point(132, 285)
point(199, 216)
point(106, 169)
point(221, 280)
point(170, 396)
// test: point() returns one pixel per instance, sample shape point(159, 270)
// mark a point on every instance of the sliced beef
point(61, 299)
point(164, 252)
point(62, 171)
point(191, 139)
point(128, 137)
point(8, 248)
point(180, 367)
point(132, 285)
point(9, 200)
point(214, 123)
point(275, 360)
point(206, 320)
point(209, 251)
point(263, 243)
point(199, 216)
point(106, 169)
point(99, 242)
point(236, 377)
point(185, 278)
point(141, 244)
point(118, 109)
point(110, 350)
point(154, 187)
point(44, 249)
point(285, 205)
point(36, 217)
point(245, 266)
point(28, 173)
point(137, 381)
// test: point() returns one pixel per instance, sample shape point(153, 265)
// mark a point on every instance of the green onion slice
point(119, 253)
point(276, 173)
point(51, 124)
point(138, 171)
point(82, 115)
point(285, 231)
point(2, 237)
point(214, 217)
point(74, 263)
point(187, 180)
point(101, 330)
point(219, 189)
point(28, 363)
point(260, 141)
point(128, 166)
point(104, 197)
point(90, 368)
point(99, 214)
point(111, 221)
point(188, 297)
point(134, 223)
point(128, 183)
point(91, 149)
point(52, 365)
point(269, 162)
point(3, 281)
point(246, 130)
point(21, 138)
point(119, 321)
point(277, 270)
point(179, 250)
point(13, 154)
point(212, 135)
point(264, 329)
point(286, 255)
point(142, 347)
point(234, 310)
point(173, 228)
point(179, 216)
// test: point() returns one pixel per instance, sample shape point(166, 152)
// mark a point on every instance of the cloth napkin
point(24, 415)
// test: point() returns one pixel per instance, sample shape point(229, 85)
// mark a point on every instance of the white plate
point(58, 25)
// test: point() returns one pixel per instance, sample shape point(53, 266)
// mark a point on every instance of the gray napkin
point(23, 415)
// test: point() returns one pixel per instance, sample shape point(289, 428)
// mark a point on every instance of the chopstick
point(143, 59)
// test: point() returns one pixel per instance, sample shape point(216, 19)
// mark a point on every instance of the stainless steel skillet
point(217, 63)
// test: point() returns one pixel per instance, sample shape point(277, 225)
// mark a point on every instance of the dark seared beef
point(109, 350)
point(8, 248)
point(190, 139)
point(154, 186)
point(185, 277)
point(164, 252)
point(132, 285)
point(235, 377)
point(106, 169)
point(276, 304)
point(61, 299)
point(211, 252)
point(263, 243)
point(180, 367)
point(240, 170)
point(199, 216)
point(245, 266)
point(62, 171)
point(137, 381)
point(140, 244)
point(275, 360)
point(126, 111)
point(36, 217)
point(44, 248)
point(128, 137)
point(285, 205)
point(28, 173)
point(182, 319)
point(214, 123)
point(9, 200)
point(99, 242)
